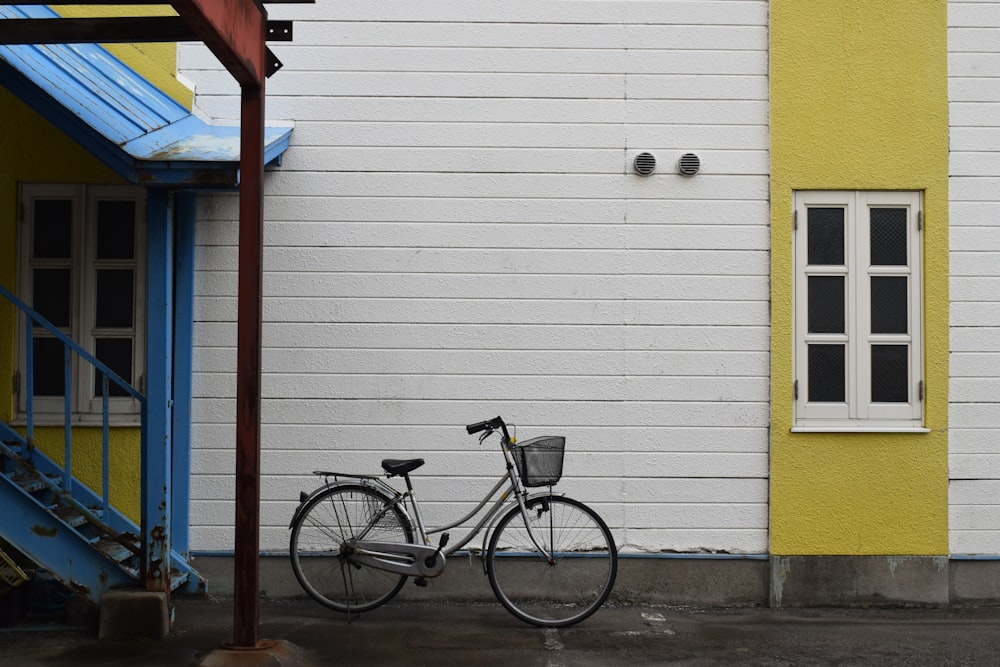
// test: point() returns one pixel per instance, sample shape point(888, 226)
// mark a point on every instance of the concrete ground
point(442, 635)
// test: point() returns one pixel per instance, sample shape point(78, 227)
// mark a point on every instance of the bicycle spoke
point(329, 521)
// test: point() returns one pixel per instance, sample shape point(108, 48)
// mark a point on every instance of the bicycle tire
point(325, 523)
point(570, 588)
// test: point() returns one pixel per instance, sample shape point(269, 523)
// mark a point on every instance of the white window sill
point(860, 429)
point(114, 421)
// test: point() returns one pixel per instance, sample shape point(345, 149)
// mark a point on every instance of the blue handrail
point(70, 346)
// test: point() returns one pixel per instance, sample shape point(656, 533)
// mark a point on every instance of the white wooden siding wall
point(457, 233)
point(974, 71)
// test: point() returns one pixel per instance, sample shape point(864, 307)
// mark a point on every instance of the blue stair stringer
point(66, 533)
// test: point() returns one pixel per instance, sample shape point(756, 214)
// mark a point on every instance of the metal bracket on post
point(271, 63)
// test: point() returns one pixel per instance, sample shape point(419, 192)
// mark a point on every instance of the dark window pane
point(51, 295)
point(49, 367)
point(53, 224)
point(889, 305)
point(117, 354)
point(115, 230)
point(827, 375)
point(890, 374)
point(826, 304)
point(826, 236)
point(114, 298)
point(888, 237)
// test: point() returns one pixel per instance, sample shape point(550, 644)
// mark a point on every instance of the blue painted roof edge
point(122, 118)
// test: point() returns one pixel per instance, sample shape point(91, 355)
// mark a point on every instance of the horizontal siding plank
point(975, 466)
point(508, 217)
point(965, 214)
point(751, 307)
point(973, 438)
point(557, 186)
point(602, 12)
point(966, 364)
point(980, 239)
point(505, 160)
point(643, 292)
point(507, 59)
point(502, 337)
point(542, 134)
point(975, 390)
point(975, 416)
point(584, 464)
point(592, 413)
point(300, 386)
point(975, 542)
point(979, 339)
point(976, 314)
point(668, 491)
point(327, 440)
point(311, 108)
point(633, 265)
point(972, 493)
point(452, 362)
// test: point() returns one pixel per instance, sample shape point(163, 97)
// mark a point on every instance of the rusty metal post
point(246, 610)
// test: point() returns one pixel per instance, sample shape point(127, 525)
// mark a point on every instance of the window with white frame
point(858, 310)
point(81, 267)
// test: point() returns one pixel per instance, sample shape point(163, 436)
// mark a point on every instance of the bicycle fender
point(378, 486)
point(499, 515)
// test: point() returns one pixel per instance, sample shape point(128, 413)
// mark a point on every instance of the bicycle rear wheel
point(569, 587)
point(333, 517)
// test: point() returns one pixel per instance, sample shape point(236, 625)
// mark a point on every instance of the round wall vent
point(644, 164)
point(689, 164)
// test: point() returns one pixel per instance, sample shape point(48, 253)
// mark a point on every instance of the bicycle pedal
point(420, 581)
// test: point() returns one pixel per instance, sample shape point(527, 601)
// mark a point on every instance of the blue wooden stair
point(88, 548)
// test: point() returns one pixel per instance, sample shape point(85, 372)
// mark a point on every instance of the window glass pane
point(826, 304)
point(827, 374)
point(825, 236)
point(117, 354)
point(49, 367)
point(889, 304)
point(114, 298)
point(890, 374)
point(52, 227)
point(115, 230)
point(888, 237)
point(51, 295)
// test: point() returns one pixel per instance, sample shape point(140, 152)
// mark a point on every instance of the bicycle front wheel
point(326, 523)
point(561, 590)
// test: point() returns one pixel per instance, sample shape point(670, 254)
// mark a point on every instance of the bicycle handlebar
point(491, 424)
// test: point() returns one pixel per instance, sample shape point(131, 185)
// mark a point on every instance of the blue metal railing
point(107, 376)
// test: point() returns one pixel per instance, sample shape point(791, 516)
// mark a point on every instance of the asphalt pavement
point(299, 632)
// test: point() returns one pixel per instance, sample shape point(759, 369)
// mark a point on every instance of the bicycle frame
point(420, 559)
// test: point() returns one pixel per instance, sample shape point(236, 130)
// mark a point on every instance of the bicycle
point(550, 559)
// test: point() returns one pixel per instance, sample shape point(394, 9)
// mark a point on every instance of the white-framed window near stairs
point(81, 261)
point(858, 311)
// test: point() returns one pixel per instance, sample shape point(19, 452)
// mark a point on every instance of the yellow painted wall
point(155, 61)
point(859, 101)
point(32, 150)
point(28, 144)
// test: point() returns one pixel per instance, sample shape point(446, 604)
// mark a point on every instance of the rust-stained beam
point(233, 30)
point(115, 30)
point(92, 30)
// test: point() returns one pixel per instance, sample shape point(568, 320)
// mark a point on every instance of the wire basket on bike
point(540, 460)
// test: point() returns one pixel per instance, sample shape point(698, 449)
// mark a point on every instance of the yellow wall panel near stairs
point(859, 101)
point(31, 150)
